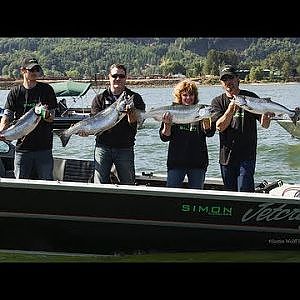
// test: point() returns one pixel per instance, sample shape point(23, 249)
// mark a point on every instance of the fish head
point(239, 100)
point(204, 112)
point(121, 103)
point(125, 104)
point(129, 102)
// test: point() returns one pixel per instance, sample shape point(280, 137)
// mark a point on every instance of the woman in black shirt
point(187, 152)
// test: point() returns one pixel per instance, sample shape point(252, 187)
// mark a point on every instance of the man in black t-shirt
point(237, 134)
point(33, 156)
point(116, 145)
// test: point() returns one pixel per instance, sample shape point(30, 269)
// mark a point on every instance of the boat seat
point(73, 170)
point(78, 170)
point(2, 169)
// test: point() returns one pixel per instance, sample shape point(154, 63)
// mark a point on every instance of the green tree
point(172, 67)
point(286, 71)
point(73, 74)
point(256, 73)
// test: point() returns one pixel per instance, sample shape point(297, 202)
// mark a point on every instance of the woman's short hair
point(187, 86)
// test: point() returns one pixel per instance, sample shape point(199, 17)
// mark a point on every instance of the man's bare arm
point(224, 121)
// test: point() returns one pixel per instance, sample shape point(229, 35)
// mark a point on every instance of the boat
point(68, 92)
point(71, 214)
point(290, 127)
point(66, 115)
point(70, 88)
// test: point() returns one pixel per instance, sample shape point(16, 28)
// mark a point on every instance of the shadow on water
point(293, 156)
point(278, 161)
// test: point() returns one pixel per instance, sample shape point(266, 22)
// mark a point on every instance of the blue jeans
point(239, 177)
point(27, 165)
point(122, 158)
point(176, 176)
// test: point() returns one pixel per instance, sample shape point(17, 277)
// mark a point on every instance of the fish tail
point(63, 137)
point(296, 117)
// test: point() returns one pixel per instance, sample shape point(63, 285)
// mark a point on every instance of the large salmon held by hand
point(264, 105)
point(24, 125)
point(181, 114)
point(97, 124)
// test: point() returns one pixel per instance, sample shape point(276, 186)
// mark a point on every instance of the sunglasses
point(227, 77)
point(118, 75)
point(34, 69)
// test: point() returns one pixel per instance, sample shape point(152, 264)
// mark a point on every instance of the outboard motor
point(261, 186)
point(266, 187)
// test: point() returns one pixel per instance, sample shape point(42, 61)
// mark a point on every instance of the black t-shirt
point(123, 134)
point(187, 145)
point(20, 100)
point(238, 141)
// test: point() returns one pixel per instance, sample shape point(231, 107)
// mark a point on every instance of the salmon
point(24, 125)
point(181, 114)
point(264, 105)
point(98, 123)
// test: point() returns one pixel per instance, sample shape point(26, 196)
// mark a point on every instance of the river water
point(278, 154)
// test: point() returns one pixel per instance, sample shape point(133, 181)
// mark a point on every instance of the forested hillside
point(84, 57)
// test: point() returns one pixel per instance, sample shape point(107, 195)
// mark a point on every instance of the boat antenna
point(96, 83)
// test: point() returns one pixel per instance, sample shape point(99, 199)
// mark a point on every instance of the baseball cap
point(228, 70)
point(29, 63)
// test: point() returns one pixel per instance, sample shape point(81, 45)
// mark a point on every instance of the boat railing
point(82, 170)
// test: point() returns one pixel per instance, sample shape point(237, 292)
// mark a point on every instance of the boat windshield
point(70, 88)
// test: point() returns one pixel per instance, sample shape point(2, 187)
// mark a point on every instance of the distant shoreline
point(147, 83)
point(170, 82)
